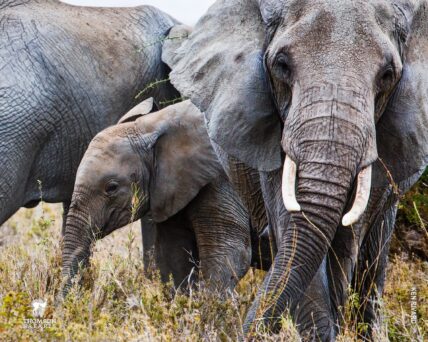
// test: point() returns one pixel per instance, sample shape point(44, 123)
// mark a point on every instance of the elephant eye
point(282, 66)
point(386, 77)
point(111, 187)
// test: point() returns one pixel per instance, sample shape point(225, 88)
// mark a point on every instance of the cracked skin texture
point(66, 73)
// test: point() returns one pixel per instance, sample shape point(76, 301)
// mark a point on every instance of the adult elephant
point(343, 85)
point(162, 163)
point(66, 73)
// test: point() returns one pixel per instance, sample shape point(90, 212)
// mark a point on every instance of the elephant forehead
point(352, 24)
point(108, 159)
point(343, 10)
point(94, 166)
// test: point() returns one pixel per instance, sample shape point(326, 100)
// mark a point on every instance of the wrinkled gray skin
point(162, 163)
point(342, 85)
point(66, 73)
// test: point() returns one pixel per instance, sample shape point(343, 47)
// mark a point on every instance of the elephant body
point(163, 163)
point(60, 67)
point(327, 100)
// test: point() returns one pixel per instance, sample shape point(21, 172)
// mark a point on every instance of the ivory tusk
point(361, 198)
point(289, 185)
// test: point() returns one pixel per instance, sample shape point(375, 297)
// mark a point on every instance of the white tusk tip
point(361, 198)
point(292, 206)
point(349, 220)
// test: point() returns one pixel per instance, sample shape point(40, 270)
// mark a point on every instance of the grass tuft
point(117, 301)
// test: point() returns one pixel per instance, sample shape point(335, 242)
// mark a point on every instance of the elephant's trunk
point(78, 239)
point(305, 242)
point(325, 152)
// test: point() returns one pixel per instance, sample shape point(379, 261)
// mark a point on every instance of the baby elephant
point(161, 163)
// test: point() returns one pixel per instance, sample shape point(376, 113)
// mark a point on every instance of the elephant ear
point(177, 35)
point(139, 110)
point(220, 67)
point(402, 136)
point(184, 159)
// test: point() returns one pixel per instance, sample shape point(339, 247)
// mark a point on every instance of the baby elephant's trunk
point(78, 239)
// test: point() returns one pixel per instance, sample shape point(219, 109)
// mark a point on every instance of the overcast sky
point(187, 11)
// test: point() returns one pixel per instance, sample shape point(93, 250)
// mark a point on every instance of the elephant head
point(157, 162)
point(338, 87)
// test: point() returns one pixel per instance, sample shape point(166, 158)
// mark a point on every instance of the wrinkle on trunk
point(328, 155)
point(305, 243)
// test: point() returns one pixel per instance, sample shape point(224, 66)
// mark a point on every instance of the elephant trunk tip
point(66, 284)
point(64, 294)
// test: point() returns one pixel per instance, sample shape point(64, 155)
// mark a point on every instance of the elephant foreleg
point(341, 261)
point(246, 183)
point(262, 249)
point(371, 272)
point(313, 314)
point(358, 255)
point(222, 228)
point(13, 180)
point(176, 253)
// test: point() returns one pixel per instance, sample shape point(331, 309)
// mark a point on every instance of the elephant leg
point(341, 262)
point(148, 234)
point(222, 228)
point(313, 314)
point(359, 253)
point(262, 249)
point(176, 253)
point(278, 217)
point(12, 188)
point(370, 276)
point(343, 254)
point(246, 183)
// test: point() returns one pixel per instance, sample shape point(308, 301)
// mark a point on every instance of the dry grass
point(117, 302)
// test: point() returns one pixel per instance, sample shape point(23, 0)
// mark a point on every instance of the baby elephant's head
point(111, 188)
point(157, 162)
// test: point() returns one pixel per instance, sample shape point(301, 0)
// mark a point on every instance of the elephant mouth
point(106, 230)
point(118, 218)
point(360, 203)
point(113, 222)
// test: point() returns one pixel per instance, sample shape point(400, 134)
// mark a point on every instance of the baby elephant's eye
point(111, 187)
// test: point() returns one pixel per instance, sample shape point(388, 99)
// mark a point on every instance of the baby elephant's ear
point(185, 161)
point(139, 110)
point(402, 132)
